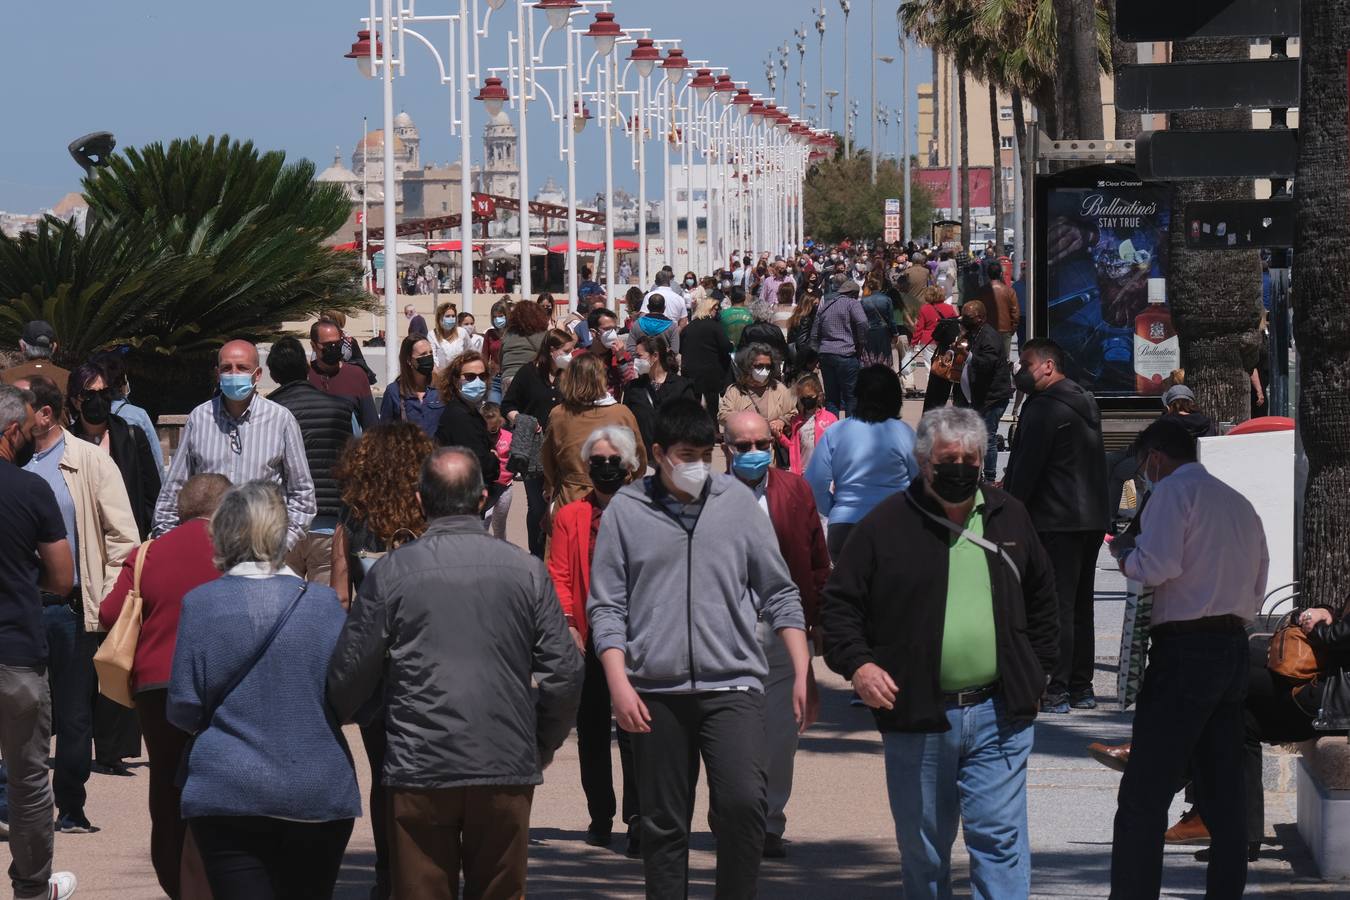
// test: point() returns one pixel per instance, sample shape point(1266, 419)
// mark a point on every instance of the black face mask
point(608, 477)
point(330, 355)
point(969, 324)
point(809, 403)
point(96, 408)
point(955, 482)
point(1024, 381)
point(425, 365)
point(23, 454)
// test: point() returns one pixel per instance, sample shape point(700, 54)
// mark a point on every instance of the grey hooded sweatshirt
point(683, 603)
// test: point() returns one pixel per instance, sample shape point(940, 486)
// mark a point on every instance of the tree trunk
point(1322, 234)
point(996, 189)
point(1078, 89)
point(1215, 295)
point(1123, 53)
point(1027, 162)
point(965, 156)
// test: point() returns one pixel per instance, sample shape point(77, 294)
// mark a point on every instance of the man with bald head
point(450, 630)
point(986, 381)
point(787, 500)
point(243, 436)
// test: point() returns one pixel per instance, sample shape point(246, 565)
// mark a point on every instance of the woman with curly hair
point(526, 325)
point(377, 476)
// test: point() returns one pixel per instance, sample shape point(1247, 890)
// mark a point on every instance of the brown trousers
point(173, 853)
point(432, 833)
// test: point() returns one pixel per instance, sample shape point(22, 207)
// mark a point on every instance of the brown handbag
point(117, 654)
point(1291, 655)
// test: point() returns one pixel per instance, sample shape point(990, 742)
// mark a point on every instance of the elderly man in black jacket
point(950, 644)
point(1058, 470)
point(462, 638)
point(986, 381)
point(327, 422)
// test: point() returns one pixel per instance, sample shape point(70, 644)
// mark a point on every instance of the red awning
point(582, 247)
point(620, 244)
point(452, 247)
point(345, 248)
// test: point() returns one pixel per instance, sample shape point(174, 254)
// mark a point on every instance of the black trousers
point(1190, 706)
point(835, 537)
point(938, 393)
point(257, 858)
point(594, 724)
point(1073, 554)
point(726, 729)
point(536, 504)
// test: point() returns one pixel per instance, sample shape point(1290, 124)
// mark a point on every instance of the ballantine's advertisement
point(1106, 268)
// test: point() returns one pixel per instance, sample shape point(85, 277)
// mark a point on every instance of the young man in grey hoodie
point(685, 567)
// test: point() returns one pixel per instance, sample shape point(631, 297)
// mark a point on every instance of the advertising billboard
point(1101, 285)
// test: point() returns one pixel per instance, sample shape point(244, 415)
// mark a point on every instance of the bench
point(1324, 803)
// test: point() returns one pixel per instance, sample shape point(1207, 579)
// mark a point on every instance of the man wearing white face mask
point(608, 344)
point(680, 651)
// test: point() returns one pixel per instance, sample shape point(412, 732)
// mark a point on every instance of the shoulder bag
point(983, 543)
point(1290, 654)
point(117, 654)
point(214, 706)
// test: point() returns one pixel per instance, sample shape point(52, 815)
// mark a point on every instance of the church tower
point(406, 131)
point(501, 171)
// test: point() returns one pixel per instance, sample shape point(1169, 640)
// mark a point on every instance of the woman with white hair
point(269, 792)
point(764, 329)
point(611, 455)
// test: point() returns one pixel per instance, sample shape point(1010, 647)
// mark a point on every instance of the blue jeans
point(840, 374)
point(975, 773)
point(70, 666)
point(992, 417)
point(1191, 706)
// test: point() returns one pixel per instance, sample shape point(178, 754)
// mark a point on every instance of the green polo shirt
point(969, 648)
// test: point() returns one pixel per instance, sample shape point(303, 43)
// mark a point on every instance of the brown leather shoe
point(1111, 757)
point(1190, 830)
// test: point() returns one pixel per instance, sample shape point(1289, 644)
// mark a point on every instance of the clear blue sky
point(272, 71)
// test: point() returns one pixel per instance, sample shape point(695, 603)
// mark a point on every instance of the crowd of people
point(310, 559)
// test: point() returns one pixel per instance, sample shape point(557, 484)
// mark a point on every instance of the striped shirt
point(262, 444)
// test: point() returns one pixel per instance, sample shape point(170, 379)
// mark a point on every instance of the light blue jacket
point(864, 463)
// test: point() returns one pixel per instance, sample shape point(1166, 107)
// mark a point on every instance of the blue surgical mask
point(752, 464)
point(473, 390)
point(499, 322)
point(237, 386)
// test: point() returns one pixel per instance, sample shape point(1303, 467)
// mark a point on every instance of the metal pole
point(390, 211)
point(904, 131)
point(952, 148)
point(610, 75)
point(465, 165)
point(690, 219)
point(642, 181)
point(526, 56)
point(848, 125)
point(667, 201)
point(820, 27)
point(573, 274)
point(872, 67)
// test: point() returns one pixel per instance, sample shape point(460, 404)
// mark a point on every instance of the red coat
point(178, 562)
point(801, 540)
point(930, 314)
point(569, 563)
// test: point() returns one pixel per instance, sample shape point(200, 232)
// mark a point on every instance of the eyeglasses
point(747, 446)
point(467, 377)
point(606, 460)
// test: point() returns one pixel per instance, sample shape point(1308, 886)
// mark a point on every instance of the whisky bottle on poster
point(1157, 350)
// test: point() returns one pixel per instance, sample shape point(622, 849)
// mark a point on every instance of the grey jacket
point(683, 604)
point(449, 630)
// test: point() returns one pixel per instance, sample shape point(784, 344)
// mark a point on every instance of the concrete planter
point(1324, 822)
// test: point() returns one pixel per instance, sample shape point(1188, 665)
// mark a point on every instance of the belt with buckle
point(970, 696)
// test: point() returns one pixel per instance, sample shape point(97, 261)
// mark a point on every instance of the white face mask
point(759, 375)
point(642, 366)
point(561, 360)
point(468, 328)
point(690, 477)
point(609, 337)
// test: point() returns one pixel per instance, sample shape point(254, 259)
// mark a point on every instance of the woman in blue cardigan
point(270, 792)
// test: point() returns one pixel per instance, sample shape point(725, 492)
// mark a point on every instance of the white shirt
point(254, 569)
point(1202, 548)
point(676, 308)
point(445, 352)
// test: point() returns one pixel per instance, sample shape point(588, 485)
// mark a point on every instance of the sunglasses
point(606, 460)
point(467, 377)
point(747, 446)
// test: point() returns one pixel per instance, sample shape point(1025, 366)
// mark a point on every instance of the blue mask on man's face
point(752, 464)
point(237, 386)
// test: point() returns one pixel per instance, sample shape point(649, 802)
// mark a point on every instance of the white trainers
point(62, 885)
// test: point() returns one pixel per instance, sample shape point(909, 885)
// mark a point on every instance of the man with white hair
point(966, 620)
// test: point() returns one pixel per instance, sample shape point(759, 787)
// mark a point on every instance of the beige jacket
point(104, 525)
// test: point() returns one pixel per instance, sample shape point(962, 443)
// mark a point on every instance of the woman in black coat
point(705, 355)
point(659, 382)
point(89, 406)
point(464, 385)
point(764, 330)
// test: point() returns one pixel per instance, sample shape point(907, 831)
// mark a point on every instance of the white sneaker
point(62, 885)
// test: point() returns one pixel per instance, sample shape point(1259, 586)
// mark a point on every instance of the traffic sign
point(1179, 87)
point(1185, 155)
point(1239, 224)
point(1168, 20)
point(893, 207)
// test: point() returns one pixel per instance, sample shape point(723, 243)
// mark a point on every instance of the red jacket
point(178, 562)
point(569, 562)
point(801, 540)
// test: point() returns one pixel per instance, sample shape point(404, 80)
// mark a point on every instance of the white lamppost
point(820, 30)
point(606, 32)
point(644, 56)
point(674, 66)
point(848, 137)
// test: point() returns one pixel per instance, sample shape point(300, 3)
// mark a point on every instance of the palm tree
point(997, 184)
point(1322, 236)
point(1215, 295)
point(1079, 87)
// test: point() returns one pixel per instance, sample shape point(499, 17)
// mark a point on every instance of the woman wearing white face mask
point(453, 342)
point(759, 388)
point(659, 382)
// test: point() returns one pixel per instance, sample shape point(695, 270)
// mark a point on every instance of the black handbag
point(1334, 712)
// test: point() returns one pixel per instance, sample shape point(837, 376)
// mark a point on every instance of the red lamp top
point(703, 79)
point(725, 85)
point(603, 26)
point(645, 51)
point(743, 97)
point(558, 4)
point(493, 89)
point(675, 59)
point(362, 46)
